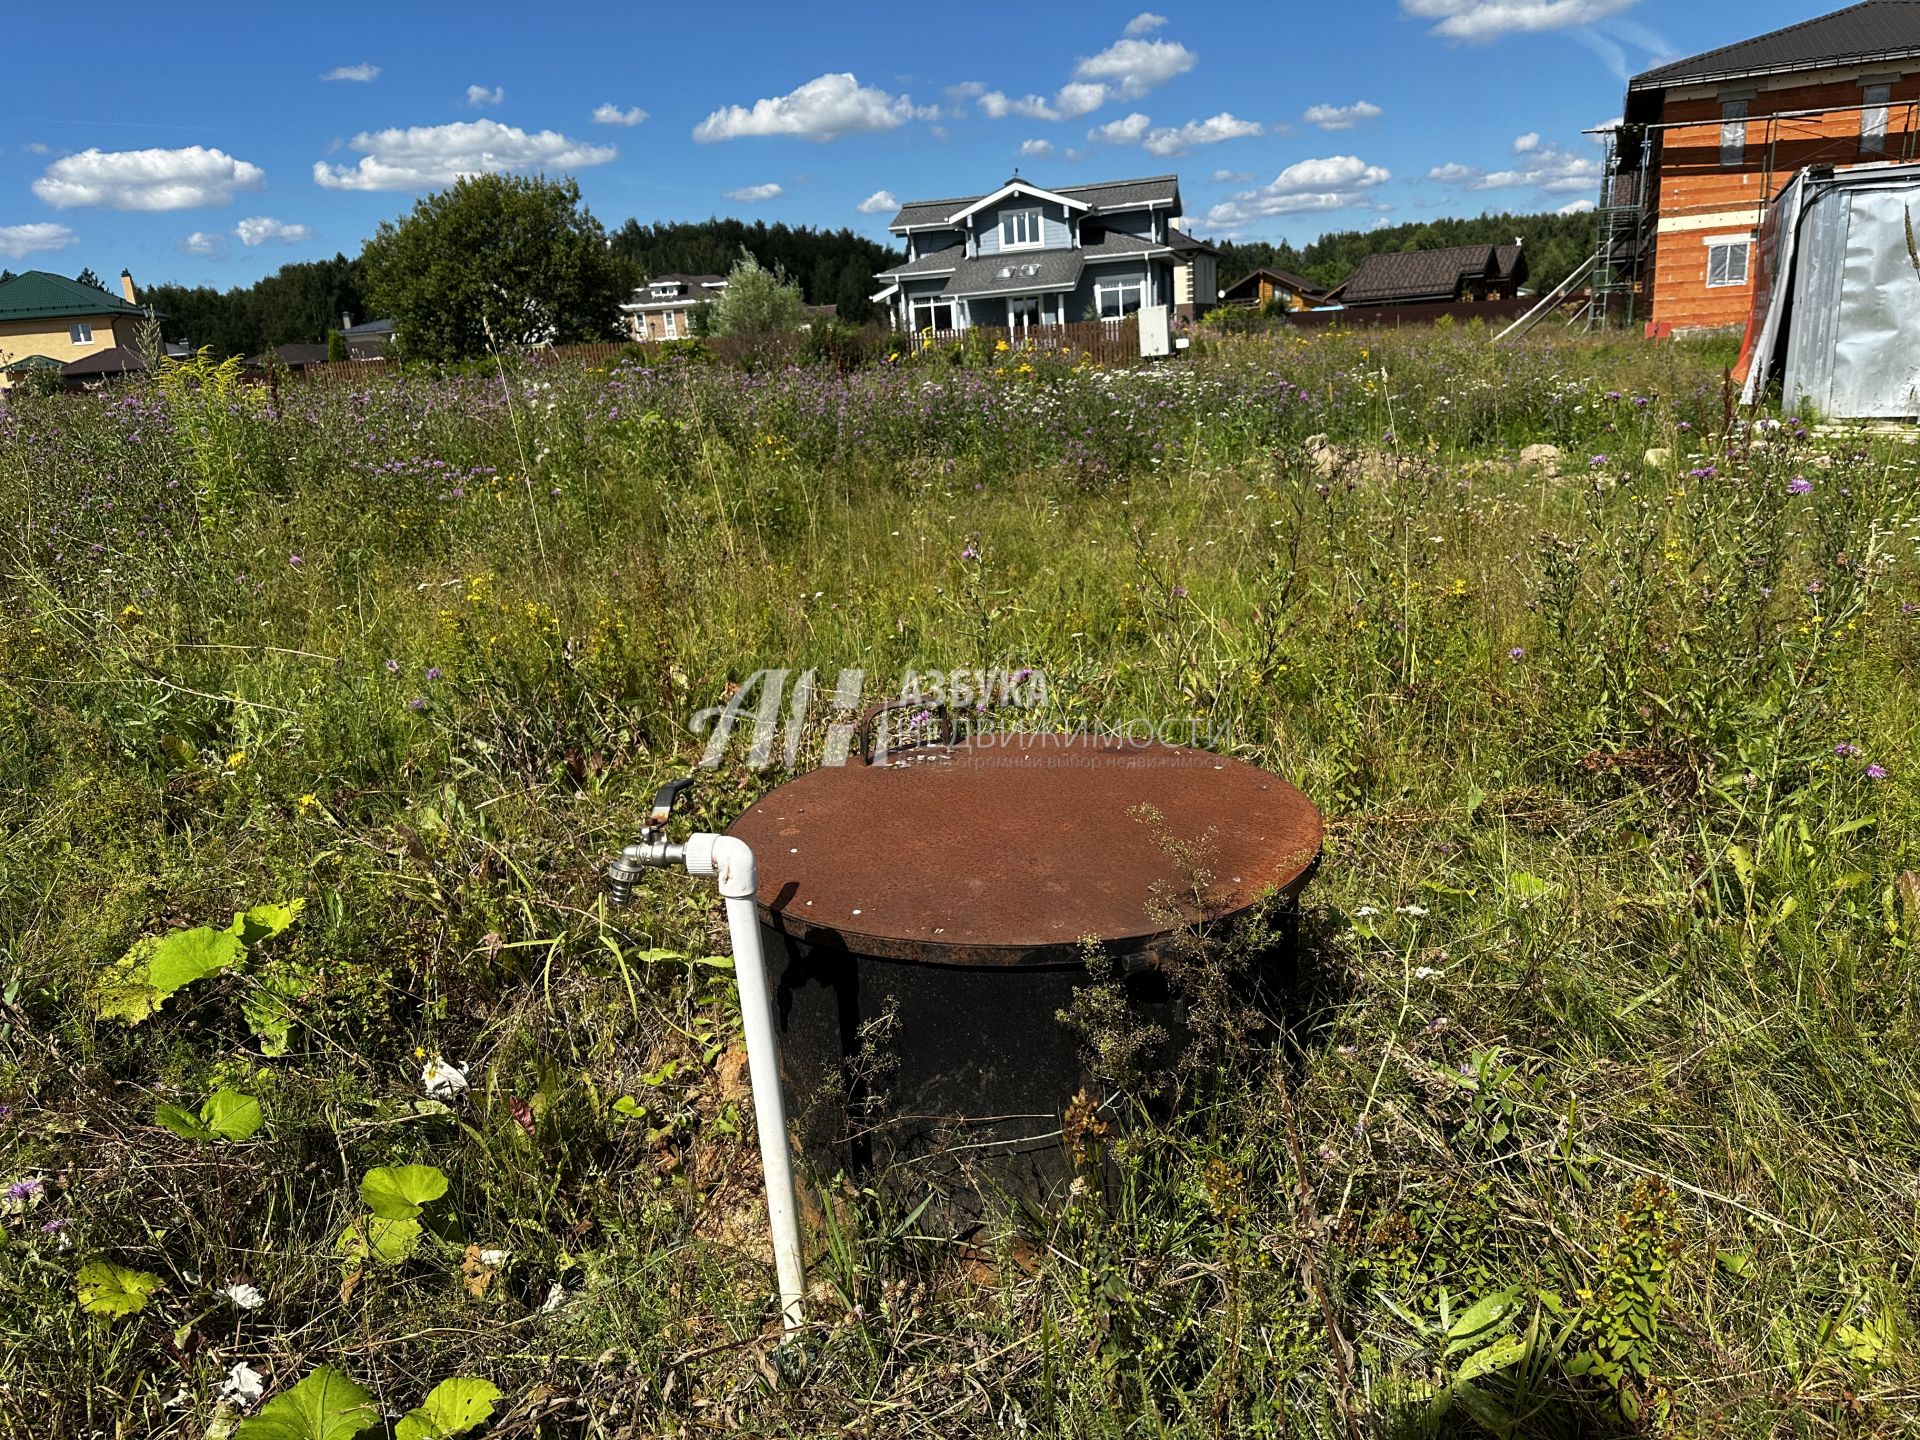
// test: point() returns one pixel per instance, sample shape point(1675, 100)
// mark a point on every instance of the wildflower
point(1844, 749)
point(295, 561)
point(442, 1080)
point(21, 1191)
point(309, 803)
point(236, 759)
point(1799, 485)
point(433, 672)
point(243, 1386)
point(393, 667)
point(244, 1296)
point(1518, 652)
point(1425, 972)
point(1179, 592)
point(494, 1259)
point(1876, 772)
point(419, 702)
point(1365, 912)
point(1416, 911)
point(1594, 462)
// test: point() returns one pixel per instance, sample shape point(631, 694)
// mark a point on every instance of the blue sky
point(215, 146)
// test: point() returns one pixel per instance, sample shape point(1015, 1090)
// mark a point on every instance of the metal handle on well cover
point(863, 728)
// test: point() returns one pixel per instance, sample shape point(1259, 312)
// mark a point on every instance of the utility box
point(1156, 330)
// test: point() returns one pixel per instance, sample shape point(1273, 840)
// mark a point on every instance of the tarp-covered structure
point(1836, 298)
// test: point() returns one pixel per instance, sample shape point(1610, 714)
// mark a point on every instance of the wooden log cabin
point(1706, 142)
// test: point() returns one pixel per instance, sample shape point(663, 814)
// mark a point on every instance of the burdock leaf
point(184, 1123)
point(231, 1115)
point(105, 1288)
point(325, 1406)
point(397, 1192)
point(189, 955)
point(453, 1407)
point(386, 1242)
point(263, 922)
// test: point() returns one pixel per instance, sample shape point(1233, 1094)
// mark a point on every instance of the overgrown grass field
point(1593, 1109)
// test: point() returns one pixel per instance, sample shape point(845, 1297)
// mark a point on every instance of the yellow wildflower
point(236, 759)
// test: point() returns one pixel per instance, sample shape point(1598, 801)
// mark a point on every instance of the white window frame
point(670, 323)
point(1729, 245)
point(1030, 219)
point(1873, 119)
point(930, 303)
point(1733, 134)
point(1033, 312)
point(1118, 289)
point(80, 333)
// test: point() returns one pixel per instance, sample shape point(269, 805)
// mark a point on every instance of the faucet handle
point(664, 799)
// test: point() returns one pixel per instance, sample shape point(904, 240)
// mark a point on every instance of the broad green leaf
point(386, 1242)
point(453, 1407)
point(105, 1288)
point(124, 991)
point(184, 1123)
point(1497, 1356)
point(631, 1108)
point(396, 1192)
point(1524, 887)
point(189, 955)
point(263, 922)
point(325, 1406)
point(269, 1006)
point(231, 1115)
point(1741, 858)
point(1480, 1317)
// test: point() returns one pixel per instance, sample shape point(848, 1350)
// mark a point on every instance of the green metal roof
point(32, 362)
point(37, 295)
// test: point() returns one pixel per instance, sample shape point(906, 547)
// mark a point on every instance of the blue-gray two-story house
point(1025, 256)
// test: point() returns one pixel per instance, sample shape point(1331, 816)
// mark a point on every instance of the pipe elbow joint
point(728, 860)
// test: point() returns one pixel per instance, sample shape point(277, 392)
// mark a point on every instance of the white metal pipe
point(731, 862)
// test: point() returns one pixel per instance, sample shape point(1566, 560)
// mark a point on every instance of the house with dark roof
point(1704, 143)
point(1264, 287)
point(47, 321)
point(369, 340)
point(661, 308)
point(1455, 274)
point(1024, 256)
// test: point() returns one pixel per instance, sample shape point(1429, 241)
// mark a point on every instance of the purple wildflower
point(295, 561)
point(1876, 772)
point(1845, 749)
point(1799, 485)
point(1596, 461)
point(1518, 652)
point(393, 667)
point(433, 672)
point(419, 702)
point(22, 1190)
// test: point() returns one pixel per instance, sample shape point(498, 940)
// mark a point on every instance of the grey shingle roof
point(1104, 195)
point(1118, 245)
point(1414, 275)
point(1017, 275)
point(1182, 243)
point(940, 262)
point(1875, 30)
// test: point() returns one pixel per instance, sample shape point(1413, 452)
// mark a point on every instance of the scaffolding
point(1619, 216)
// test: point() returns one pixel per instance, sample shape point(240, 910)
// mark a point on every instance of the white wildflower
point(1425, 972)
point(244, 1295)
point(1414, 910)
point(1366, 912)
point(243, 1386)
point(443, 1081)
point(494, 1259)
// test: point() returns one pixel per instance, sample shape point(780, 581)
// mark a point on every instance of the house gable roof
point(1412, 275)
point(1151, 190)
point(1860, 34)
point(39, 295)
point(1018, 187)
point(1286, 279)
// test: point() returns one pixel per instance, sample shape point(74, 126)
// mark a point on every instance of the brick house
point(662, 307)
point(1704, 144)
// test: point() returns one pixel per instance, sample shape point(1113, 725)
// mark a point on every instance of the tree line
point(1555, 245)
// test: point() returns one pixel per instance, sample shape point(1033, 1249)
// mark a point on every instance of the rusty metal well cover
point(1011, 849)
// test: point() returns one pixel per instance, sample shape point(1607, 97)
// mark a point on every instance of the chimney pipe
point(126, 287)
point(346, 320)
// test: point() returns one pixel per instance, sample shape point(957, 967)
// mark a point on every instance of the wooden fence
point(1103, 342)
point(1460, 312)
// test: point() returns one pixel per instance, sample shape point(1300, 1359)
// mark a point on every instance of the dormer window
point(1020, 230)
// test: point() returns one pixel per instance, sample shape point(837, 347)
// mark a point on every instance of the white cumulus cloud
point(880, 202)
point(480, 95)
point(1130, 68)
point(1129, 130)
point(1167, 140)
point(1452, 173)
point(361, 73)
point(1490, 19)
point(430, 155)
point(1231, 177)
point(1575, 207)
point(261, 228)
point(146, 179)
point(1037, 149)
point(611, 114)
point(41, 235)
point(1336, 182)
point(206, 243)
point(1341, 117)
point(823, 109)
point(1543, 166)
point(754, 194)
point(1526, 144)
point(1145, 23)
